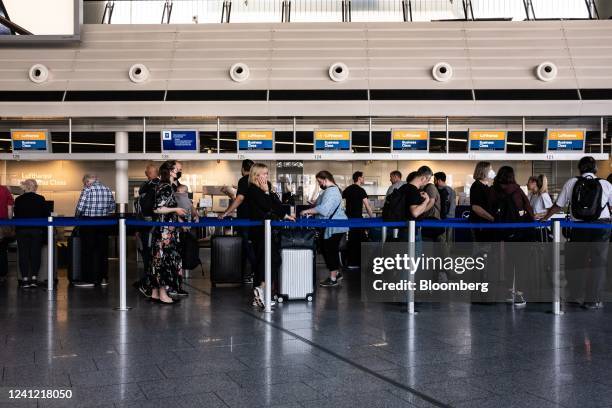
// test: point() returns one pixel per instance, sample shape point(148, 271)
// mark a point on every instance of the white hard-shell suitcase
point(296, 278)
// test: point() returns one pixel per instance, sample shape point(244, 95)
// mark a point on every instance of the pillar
point(121, 172)
point(605, 9)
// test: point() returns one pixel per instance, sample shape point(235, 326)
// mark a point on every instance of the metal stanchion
point(557, 268)
point(268, 277)
point(411, 253)
point(384, 235)
point(122, 265)
point(50, 257)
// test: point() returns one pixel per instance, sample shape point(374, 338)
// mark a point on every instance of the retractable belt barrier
point(123, 223)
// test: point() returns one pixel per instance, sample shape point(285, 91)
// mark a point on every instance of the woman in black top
point(30, 239)
point(479, 198)
point(263, 205)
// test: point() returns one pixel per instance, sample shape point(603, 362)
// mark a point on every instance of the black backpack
point(505, 209)
point(586, 199)
point(190, 250)
point(394, 208)
point(445, 203)
point(145, 203)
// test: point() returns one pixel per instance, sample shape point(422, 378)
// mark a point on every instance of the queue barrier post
point(384, 234)
point(50, 258)
point(268, 266)
point(411, 274)
point(557, 268)
point(122, 265)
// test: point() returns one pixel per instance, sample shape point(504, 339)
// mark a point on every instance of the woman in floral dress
point(166, 258)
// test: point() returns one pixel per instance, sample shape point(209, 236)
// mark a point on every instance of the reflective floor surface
point(215, 350)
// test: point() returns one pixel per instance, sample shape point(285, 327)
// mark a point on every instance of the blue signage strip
point(410, 145)
point(180, 140)
point(30, 145)
point(333, 145)
point(566, 145)
point(266, 145)
point(488, 145)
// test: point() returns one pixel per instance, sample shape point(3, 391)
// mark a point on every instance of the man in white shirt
point(586, 257)
point(395, 177)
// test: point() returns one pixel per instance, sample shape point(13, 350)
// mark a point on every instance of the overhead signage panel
point(488, 140)
point(566, 140)
point(332, 140)
point(410, 140)
point(26, 140)
point(255, 140)
point(180, 140)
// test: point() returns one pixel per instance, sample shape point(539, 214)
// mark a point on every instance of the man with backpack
point(589, 199)
point(240, 204)
point(408, 202)
point(144, 206)
point(356, 198)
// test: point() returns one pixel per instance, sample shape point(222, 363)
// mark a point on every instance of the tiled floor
point(215, 350)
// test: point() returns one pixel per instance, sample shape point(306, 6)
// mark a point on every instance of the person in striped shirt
point(96, 201)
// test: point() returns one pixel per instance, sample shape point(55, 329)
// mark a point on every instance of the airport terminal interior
point(104, 90)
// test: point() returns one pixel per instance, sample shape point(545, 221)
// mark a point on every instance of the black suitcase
point(74, 257)
point(226, 260)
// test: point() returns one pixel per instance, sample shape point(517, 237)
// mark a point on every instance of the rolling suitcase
point(75, 273)
point(226, 260)
point(296, 277)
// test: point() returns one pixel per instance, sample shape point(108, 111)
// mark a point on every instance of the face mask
point(323, 187)
point(179, 174)
point(491, 174)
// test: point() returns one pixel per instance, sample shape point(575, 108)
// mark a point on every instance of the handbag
point(7, 232)
point(298, 238)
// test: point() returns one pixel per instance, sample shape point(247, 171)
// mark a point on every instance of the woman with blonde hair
point(538, 195)
point(30, 239)
point(263, 204)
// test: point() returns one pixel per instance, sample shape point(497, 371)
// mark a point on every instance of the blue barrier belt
point(586, 225)
point(457, 223)
point(58, 222)
point(212, 222)
point(477, 225)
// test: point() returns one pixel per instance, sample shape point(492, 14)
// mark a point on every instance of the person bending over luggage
point(586, 257)
point(508, 203)
point(329, 206)
point(479, 195)
point(264, 204)
point(165, 257)
point(30, 239)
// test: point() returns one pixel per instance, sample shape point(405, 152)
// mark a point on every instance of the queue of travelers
point(495, 196)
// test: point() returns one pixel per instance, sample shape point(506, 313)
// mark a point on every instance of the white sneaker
point(258, 296)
